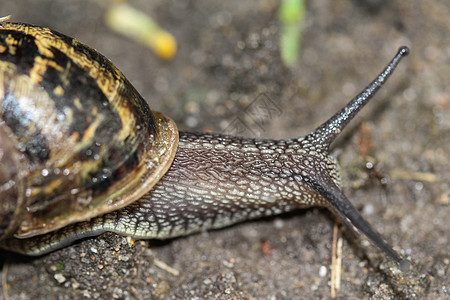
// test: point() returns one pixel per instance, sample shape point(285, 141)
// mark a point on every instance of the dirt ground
point(228, 56)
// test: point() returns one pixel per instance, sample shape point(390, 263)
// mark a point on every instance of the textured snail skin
point(218, 180)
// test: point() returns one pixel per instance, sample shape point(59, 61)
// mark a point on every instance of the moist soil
point(394, 156)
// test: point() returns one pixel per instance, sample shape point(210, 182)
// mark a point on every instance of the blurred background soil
point(228, 56)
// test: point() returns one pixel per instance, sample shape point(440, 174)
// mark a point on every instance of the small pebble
point(322, 271)
point(60, 278)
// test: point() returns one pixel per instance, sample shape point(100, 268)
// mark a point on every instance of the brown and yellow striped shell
point(76, 139)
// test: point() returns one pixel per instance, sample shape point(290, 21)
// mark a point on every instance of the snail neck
point(216, 180)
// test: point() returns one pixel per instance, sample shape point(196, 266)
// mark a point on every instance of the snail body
point(82, 153)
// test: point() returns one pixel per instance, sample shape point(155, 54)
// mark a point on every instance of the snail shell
point(77, 140)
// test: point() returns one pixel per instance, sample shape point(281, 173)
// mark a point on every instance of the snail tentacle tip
point(403, 50)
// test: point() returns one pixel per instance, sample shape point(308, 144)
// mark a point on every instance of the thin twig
point(336, 261)
point(163, 266)
point(5, 279)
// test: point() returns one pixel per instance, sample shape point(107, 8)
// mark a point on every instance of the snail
point(82, 153)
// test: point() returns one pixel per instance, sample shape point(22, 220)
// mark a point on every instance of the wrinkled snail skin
point(217, 180)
